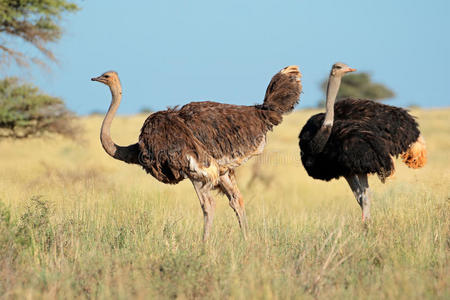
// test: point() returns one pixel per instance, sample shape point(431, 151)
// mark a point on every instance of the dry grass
point(77, 224)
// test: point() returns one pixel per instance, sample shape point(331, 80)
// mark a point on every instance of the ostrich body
point(204, 141)
point(356, 137)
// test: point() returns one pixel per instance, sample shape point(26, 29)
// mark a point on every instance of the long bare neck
point(319, 141)
point(105, 133)
point(129, 154)
point(332, 90)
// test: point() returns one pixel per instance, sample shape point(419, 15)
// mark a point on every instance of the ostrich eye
point(338, 67)
point(106, 76)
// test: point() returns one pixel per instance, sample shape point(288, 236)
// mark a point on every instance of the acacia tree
point(34, 22)
point(25, 110)
point(360, 86)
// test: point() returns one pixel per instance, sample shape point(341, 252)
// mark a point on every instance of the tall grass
point(74, 223)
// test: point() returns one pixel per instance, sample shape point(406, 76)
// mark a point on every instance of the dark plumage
point(364, 137)
point(358, 137)
point(204, 141)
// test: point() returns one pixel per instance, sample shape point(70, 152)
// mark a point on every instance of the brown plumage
point(356, 137)
point(204, 141)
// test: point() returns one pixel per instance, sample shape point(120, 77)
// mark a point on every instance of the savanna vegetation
point(26, 111)
point(75, 223)
point(34, 23)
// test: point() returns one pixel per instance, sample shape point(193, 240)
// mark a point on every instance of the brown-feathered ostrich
point(204, 141)
point(358, 137)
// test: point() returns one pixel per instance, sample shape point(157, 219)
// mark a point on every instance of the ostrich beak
point(351, 70)
point(100, 79)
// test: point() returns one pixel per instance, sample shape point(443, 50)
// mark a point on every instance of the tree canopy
point(34, 22)
point(26, 111)
point(360, 86)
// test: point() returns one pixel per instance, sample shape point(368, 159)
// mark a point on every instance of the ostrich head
point(340, 69)
point(109, 78)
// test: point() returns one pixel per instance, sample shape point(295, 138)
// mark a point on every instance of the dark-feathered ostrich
point(204, 141)
point(358, 137)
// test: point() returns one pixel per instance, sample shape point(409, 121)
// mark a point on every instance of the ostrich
point(355, 138)
point(204, 141)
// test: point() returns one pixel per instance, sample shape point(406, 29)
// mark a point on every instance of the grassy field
point(74, 223)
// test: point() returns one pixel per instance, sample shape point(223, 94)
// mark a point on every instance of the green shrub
point(25, 111)
point(30, 231)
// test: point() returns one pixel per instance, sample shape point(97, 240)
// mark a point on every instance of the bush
point(25, 111)
point(31, 230)
point(146, 110)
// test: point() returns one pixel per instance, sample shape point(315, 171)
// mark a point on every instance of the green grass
point(77, 224)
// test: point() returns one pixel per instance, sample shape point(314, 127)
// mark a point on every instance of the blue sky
point(174, 52)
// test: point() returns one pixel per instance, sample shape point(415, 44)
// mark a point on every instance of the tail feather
point(284, 90)
point(416, 155)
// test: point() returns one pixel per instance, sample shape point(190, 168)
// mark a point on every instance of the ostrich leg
point(241, 199)
point(366, 198)
point(208, 206)
point(360, 188)
point(229, 187)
